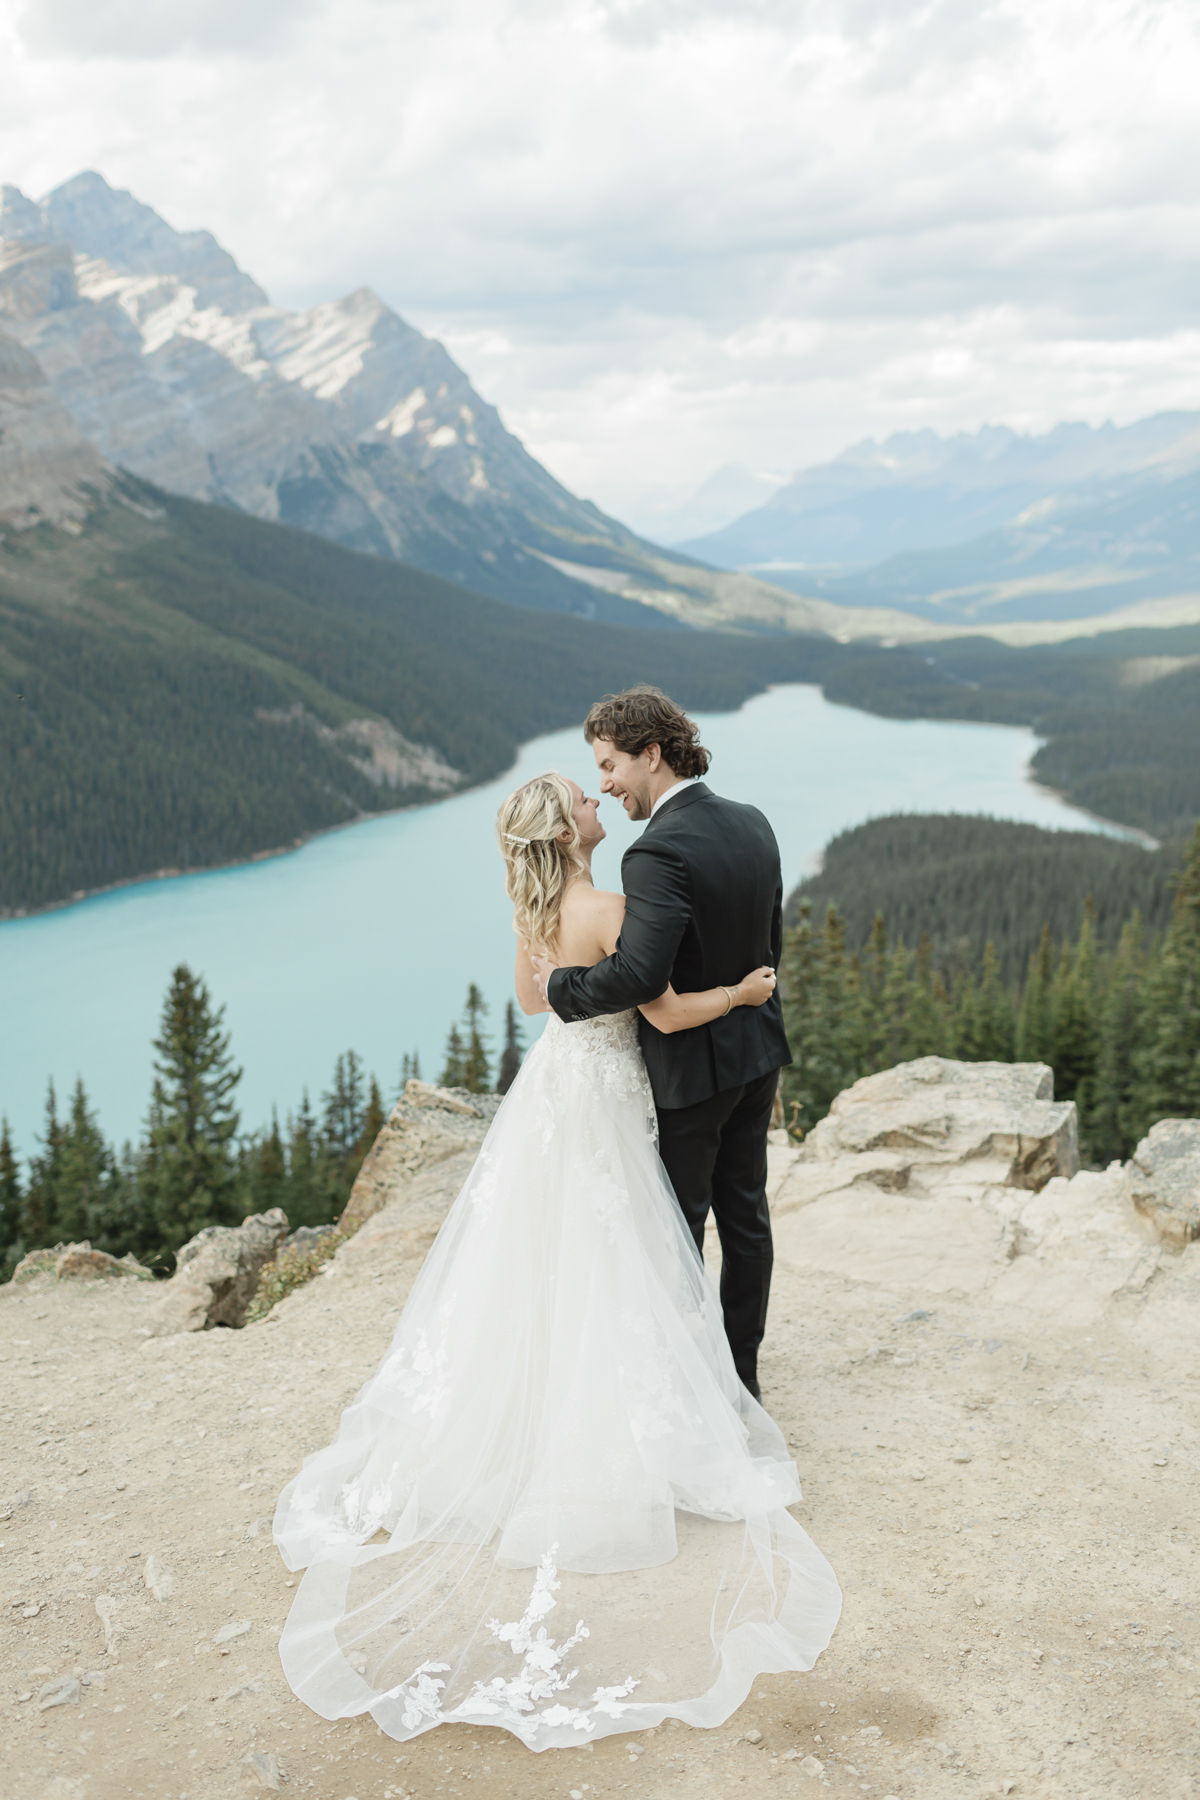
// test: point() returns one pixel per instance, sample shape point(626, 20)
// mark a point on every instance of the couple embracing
point(558, 1506)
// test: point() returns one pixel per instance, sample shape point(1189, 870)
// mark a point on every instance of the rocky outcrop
point(216, 1274)
point(429, 1125)
point(1163, 1180)
point(922, 1123)
point(78, 1262)
point(947, 1177)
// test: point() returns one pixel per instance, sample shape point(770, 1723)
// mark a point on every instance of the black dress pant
point(716, 1155)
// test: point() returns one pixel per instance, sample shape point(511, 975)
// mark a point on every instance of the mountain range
point(987, 527)
point(343, 420)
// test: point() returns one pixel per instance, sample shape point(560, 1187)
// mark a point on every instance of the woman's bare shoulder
point(587, 902)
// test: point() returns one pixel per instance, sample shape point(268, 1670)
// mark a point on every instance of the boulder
point(1163, 1180)
point(920, 1176)
point(79, 1262)
point(216, 1274)
point(426, 1126)
point(996, 1122)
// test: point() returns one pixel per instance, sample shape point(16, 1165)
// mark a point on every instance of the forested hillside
point(965, 882)
point(181, 686)
point(1116, 1015)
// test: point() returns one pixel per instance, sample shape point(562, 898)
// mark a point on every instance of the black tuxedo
point(704, 906)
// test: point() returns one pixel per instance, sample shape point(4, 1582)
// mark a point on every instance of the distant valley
point(987, 528)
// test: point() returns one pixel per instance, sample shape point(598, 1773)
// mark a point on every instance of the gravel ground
point(1009, 1503)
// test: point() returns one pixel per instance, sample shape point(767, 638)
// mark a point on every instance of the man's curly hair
point(642, 716)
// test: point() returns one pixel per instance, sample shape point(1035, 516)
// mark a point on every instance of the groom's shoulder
point(718, 809)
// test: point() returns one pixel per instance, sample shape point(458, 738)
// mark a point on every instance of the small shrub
point(290, 1270)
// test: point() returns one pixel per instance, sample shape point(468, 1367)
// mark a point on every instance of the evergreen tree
point(966, 1034)
point(1035, 1022)
point(86, 1171)
point(266, 1172)
point(454, 1069)
point(477, 1074)
point(1168, 1084)
point(189, 1175)
point(513, 1051)
point(822, 1015)
point(410, 1069)
point(10, 1202)
point(1112, 1129)
point(39, 1212)
point(372, 1124)
point(875, 1025)
point(927, 1029)
point(344, 1107)
point(996, 1039)
point(1074, 1041)
point(308, 1199)
point(343, 1116)
point(898, 1009)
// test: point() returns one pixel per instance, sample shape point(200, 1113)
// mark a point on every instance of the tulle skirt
point(554, 1508)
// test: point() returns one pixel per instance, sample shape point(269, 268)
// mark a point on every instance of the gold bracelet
point(729, 1008)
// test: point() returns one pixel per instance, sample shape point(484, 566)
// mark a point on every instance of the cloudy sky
point(663, 235)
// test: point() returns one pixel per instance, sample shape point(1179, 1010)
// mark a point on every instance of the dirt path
point(1009, 1501)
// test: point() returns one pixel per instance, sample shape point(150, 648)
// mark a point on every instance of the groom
point(703, 906)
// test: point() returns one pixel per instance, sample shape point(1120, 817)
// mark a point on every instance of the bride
point(554, 1508)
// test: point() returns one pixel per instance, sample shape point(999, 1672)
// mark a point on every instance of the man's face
point(628, 778)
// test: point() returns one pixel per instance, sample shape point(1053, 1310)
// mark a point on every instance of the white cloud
point(668, 234)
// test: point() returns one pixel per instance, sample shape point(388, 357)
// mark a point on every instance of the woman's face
point(585, 812)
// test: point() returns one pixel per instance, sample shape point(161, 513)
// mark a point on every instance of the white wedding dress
point(554, 1508)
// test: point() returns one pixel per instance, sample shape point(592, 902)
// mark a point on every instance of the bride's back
point(589, 925)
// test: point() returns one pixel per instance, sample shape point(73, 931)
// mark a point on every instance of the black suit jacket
point(703, 906)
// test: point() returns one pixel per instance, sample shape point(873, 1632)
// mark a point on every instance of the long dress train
point(554, 1508)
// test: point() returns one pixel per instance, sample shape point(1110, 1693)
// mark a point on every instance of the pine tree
point(266, 1172)
point(189, 1176)
point(1035, 1022)
point(822, 1016)
point(410, 1069)
point(477, 1074)
point(1112, 1129)
point(1075, 1038)
point(10, 1202)
point(927, 1028)
point(372, 1124)
point(1168, 1084)
point(308, 1201)
point(996, 1024)
point(39, 1212)
point(96, 1199)
point(454, 1070)
point(966, 1033)
point(513, 1051)
point(873, 979)
point(898, 1009)
point(344, 1106)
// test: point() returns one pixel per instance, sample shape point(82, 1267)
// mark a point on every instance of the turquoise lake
point(366, 938)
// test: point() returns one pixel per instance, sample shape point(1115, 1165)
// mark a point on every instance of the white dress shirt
point(689, 781)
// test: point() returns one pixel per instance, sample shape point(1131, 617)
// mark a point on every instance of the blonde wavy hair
point(538, 868)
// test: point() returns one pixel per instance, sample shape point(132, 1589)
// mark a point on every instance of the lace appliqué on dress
point(510, 1702)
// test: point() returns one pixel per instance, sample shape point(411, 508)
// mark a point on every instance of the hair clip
point(517, 840)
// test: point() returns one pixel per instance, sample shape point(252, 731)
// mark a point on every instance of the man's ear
point(653, 755)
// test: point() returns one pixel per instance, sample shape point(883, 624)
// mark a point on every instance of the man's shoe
point(751, 1387)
